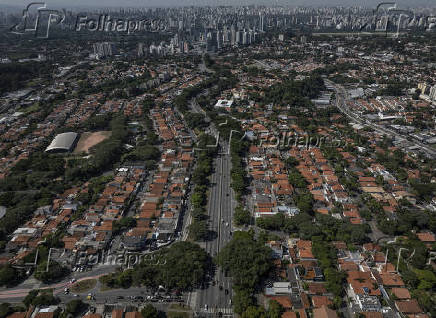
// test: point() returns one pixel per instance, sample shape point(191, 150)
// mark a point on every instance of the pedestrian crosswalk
point(213, 310)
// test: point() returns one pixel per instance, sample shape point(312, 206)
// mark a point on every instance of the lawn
point(83, 286)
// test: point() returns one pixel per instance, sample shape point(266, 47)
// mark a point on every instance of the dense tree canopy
point(247, 260)
point(182, 266)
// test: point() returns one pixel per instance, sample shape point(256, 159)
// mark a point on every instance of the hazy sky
point(161, 3)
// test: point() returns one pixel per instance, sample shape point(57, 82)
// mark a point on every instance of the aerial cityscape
point(255, 159)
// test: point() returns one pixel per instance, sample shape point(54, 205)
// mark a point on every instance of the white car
point(227, 223)
point(72, 280)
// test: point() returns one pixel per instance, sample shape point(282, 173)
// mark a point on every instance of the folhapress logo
point(40, 23)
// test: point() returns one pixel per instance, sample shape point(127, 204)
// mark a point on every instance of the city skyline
point(181, 3)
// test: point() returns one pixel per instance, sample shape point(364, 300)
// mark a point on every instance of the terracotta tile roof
point(289, 314)
point(401, 293)
point(363, 283)
point(319, 301)
point(117, 313)
point(317, 288)
point(391, 279)
point(285, 301)
point(348, 266)
point(372, 314)
point(408, 306)
point(92, 316)
point(426, 237)
point(17, 315)
point(418, 316)
point(44, 315)
point(133, 314)
point(324, 312)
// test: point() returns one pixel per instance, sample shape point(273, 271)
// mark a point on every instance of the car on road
point(227, 223)
point(139, 298)
point(72, 280)
point(205, 307)
point(120, 297)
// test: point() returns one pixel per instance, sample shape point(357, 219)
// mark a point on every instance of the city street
point(217, 296)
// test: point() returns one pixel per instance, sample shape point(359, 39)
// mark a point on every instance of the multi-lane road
point(216, 297)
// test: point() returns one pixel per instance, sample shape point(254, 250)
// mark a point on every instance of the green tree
point(254, 312)
point(275, 309)
point(242, 299)
point(5, 310)
point(241, 216)
point(149, 312)
point(30, 297)
point(198, 230)
point(75, 307)
point(246, 259)
point(55, 272)
point(8, 276)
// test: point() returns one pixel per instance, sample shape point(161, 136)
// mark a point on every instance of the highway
point(341, 103)
point(216, 297)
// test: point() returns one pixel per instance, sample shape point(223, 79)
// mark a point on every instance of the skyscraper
point(262, 22)
point(219, 40)
point(233, 35)
point(104, 49)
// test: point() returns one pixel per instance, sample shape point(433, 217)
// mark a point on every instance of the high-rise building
point(219, 40)
point(245, 38)
point(233, 35)
point(142, 50)
point(238, 37)
point(262, 22)
point(425, 89)
point(104, 49)
point(432, 94)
